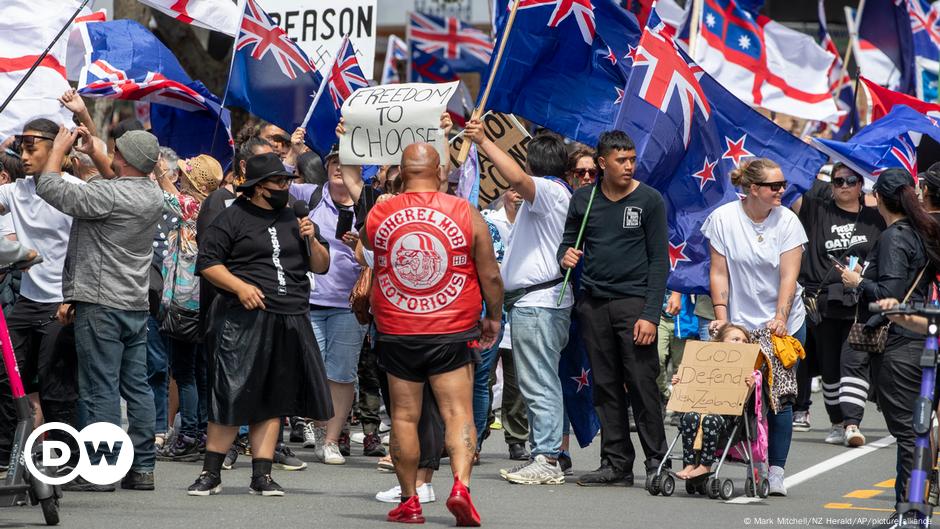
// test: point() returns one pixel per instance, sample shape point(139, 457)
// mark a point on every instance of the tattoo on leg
point(465, 436)
point(394, 448)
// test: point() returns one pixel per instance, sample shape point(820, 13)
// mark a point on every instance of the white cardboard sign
point(382, 120)
point(318, 27)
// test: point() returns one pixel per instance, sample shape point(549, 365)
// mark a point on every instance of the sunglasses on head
point(774, 186)
point(845, 182)
point(582, 172)
point(29, 140)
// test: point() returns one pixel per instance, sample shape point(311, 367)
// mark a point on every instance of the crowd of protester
point(158, 288)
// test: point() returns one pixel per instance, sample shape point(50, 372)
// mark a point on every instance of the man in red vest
point(434, 266)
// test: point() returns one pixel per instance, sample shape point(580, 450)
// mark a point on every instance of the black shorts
point(418, 362)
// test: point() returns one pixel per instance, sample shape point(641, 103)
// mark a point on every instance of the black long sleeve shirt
point(626, 251)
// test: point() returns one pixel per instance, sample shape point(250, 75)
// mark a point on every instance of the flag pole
point(694, 26)
point(231, 64)
point(577, 244)
point(478, 111)
point(852, 26)
point(42, 56)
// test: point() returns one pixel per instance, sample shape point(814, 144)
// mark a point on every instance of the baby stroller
point(743, 440)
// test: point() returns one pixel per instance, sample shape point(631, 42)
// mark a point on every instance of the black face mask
point(278, 198)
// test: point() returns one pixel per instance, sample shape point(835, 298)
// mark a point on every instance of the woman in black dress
point(263, 358)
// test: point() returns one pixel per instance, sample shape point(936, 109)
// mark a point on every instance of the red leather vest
point(425, 279)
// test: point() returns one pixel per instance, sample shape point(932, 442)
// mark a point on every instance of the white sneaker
point(777, 488)
point(310, 435)
point(539, 472)
point(385, 426)
point(332, 456)
point(357, 438)
point(836, 435)
point(853, 437)
point(393, 495)
point(801, 421)
point(816, 385)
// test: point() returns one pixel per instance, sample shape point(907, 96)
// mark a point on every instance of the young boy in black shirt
point(623, 283)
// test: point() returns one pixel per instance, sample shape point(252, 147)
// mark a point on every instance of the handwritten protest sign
point(711, 377)
point(509, 135)
point(382, 120)
point(318, 27)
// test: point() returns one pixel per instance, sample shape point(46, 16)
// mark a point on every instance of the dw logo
point(105, 442)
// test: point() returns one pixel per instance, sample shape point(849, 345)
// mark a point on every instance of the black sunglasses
point(845, 182)
point(774, 186)
point(29, 140)
point(582, 172)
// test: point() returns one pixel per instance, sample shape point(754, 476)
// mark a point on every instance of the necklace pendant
point(760, 238)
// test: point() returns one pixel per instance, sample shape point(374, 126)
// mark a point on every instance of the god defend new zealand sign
point(712, 378)
point(382, 120)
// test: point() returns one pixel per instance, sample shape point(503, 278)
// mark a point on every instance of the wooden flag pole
point(695, 25)
point(478, 111)
point(852, 26)
point(577, 244)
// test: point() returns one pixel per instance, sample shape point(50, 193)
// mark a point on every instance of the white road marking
point(823, 467)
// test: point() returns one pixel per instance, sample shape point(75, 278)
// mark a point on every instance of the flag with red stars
point(690, 132)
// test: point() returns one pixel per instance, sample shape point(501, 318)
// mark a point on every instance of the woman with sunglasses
point(582, 171)
point(756, 249)
point(840, 229)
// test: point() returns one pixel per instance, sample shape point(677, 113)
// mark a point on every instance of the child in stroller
point(712, 425)
point(741, 438)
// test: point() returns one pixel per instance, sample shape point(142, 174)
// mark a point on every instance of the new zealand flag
point(690, 132)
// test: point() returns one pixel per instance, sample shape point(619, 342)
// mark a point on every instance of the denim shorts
point(339, 336)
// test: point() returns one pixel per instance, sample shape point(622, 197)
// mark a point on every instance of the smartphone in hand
point(344, 224)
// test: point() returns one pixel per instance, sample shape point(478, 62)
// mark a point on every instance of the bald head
point(420, 162)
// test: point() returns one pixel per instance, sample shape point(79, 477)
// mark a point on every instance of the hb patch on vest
point(420, 248)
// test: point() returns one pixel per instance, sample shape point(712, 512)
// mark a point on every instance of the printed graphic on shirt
point(276, 259)
point(632, 216)
point(418, 246)
point(842, 237)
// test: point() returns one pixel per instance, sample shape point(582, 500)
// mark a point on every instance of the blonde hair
point(722, 333)
point(751, 172)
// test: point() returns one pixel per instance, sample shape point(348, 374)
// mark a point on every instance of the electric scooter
point(917, 510)
point(18, 481)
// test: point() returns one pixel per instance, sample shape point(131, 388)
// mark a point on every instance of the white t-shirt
point(6, 226)
point(533, 242)
point(753, 265)
point(501, 221)
point(43, 228)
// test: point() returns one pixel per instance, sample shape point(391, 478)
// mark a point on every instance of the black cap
point(891, 181)
point(261, 167)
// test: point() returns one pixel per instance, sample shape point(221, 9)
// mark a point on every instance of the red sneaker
point(407, 512)
point(461, 506)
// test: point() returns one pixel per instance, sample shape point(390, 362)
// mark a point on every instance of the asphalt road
point(829, 486)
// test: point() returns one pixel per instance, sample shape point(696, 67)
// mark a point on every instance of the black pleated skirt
point(263, 365)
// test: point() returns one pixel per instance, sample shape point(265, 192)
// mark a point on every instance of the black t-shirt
point(214, 204)
point(839, 233)
point(365, 203)
point(263, 248)
point(625, 246)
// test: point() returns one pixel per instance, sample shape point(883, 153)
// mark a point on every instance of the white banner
point(382, 120)
point(318, 27)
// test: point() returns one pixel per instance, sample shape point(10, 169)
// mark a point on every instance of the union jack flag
point(397, 52)
point(581, 10)
point(104, 80)
point(260, 31)
point(925, 18)
point(669, 76)
point(345, 75)
point(463, 46)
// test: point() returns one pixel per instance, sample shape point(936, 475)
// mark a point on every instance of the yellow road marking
point(888, 484)
point(863, 494)
point(847, 506)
